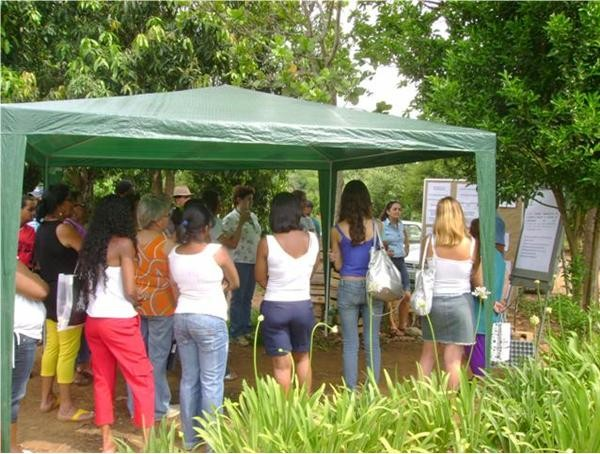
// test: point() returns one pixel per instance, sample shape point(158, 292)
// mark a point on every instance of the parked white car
point(414, 231)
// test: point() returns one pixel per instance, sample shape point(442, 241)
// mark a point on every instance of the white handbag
point(70, 309)
point(384, 281)
point(422, 296)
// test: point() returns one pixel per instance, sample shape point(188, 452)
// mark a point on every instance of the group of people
point(158, 270)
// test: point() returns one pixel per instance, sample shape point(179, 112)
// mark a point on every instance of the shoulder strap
point(433, 245)
point(472, 247)
point(376, 236)
point(424, 254)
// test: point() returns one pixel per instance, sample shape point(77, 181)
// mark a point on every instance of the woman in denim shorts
point(351, 242)
point(457, 267)
point(284, 264)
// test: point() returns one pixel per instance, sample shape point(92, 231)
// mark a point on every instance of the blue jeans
point(241, 301)
point(157, 333)
point(352, 304)
point(203, 343)
point(401, 266)
point(24, 357)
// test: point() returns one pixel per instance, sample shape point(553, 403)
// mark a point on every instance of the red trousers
point(118, 341)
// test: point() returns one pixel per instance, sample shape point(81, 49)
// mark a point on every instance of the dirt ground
point(42, 432)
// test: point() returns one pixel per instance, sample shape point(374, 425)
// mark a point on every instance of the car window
point(414, 233)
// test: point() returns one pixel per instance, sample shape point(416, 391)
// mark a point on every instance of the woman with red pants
point(106, 263)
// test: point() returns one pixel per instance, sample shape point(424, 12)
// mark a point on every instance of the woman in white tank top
point(112, 329)
point(454, 256)
point(284, 264)
point(200, 271)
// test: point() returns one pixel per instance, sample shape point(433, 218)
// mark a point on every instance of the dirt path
point(41, 432)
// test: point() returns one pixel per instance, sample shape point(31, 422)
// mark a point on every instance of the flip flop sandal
point(80, 415)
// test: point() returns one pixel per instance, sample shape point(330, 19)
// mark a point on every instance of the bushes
point(566, 311)
point(549, 406)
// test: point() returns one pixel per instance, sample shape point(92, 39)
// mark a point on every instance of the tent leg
point(486, 190)
point(327, 180)
point(12, 160)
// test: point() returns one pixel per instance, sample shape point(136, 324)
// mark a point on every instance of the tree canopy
point(60, 50)
point(528, 71)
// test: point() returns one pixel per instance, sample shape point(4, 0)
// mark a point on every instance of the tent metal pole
point(12, 165)
point(486, 190)
point(327, 180)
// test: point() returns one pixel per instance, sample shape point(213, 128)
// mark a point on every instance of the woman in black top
point(56, 251)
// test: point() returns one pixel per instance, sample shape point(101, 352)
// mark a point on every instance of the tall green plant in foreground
point(551, 405)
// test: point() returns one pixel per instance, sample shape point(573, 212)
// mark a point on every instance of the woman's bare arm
point(69, 237)
point(335, 254)
point(127, 257)
point(261, 271)
point(29, 284)
point(229, 271)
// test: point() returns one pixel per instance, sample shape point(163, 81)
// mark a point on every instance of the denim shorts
point(287, 326)
point(452, 320)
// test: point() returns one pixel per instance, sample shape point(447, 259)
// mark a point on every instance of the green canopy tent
point(217, 128)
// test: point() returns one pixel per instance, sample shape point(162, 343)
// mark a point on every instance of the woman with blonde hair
point(453, 254)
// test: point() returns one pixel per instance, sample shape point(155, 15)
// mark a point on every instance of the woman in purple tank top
point(351, 241)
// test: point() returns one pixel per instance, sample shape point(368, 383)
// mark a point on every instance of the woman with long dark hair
point(284, 263)
point(201, 271)
point(351, 242)
point(107, 267)
point(56, 251)
point(396, 240)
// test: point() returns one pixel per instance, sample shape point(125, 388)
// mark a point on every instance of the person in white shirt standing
point(243, 230)
point(29, 317)
point(284, 264)
point(200, 271)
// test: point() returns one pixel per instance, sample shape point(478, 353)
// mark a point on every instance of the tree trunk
point(591, 256)
point(574, 241)
point(169, 182)
point(157, 183)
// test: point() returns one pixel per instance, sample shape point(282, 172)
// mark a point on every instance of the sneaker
point(173, 411)
point(230, 376)
point(241, 340)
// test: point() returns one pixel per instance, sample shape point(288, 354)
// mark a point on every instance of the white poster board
point(436, 188)
point(540, 242)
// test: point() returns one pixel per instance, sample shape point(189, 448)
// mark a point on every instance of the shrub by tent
point(216, 128)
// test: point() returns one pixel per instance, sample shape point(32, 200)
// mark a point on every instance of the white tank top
point(289, 277)
point(109, 300)
point(199, 280)
point(452, 277)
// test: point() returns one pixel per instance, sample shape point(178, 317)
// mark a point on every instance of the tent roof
point(226, 128)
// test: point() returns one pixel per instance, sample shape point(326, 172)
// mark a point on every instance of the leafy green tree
point(56, 50)
point(528, 71)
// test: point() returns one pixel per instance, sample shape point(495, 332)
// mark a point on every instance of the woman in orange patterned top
point(154, 287)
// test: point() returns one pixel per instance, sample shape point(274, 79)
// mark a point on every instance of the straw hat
point(181, 191)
